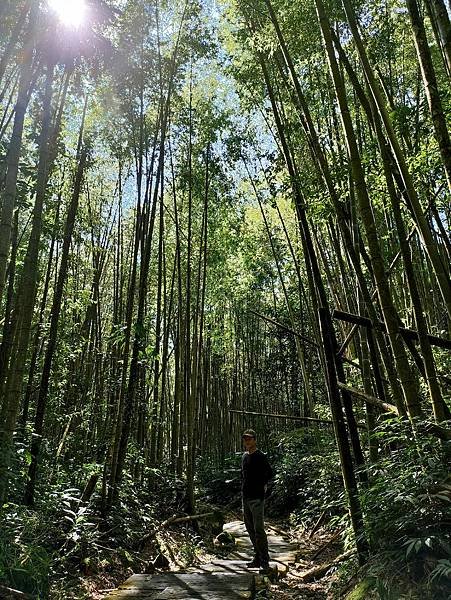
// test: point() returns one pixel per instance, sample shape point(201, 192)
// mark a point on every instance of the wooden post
point(341, 436)
point(375, 364)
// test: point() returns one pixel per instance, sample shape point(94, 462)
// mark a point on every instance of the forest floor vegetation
point(407, 508)
point(64, 548)
point(214, 215)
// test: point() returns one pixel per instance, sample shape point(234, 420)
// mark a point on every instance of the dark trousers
point(254, 511)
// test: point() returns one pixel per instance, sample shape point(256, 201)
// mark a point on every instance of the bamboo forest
point(225, 262)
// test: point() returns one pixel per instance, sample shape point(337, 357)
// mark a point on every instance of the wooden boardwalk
point(221, 579)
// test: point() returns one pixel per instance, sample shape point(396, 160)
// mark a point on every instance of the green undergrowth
point(306, 481)
point(306, 477)
point(64, 548)
point(406, 506)
point(407, 512)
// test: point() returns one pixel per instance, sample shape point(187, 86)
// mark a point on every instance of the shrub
point(308, 478)
point(407, 508)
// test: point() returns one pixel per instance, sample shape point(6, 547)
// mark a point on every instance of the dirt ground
point(317, 550)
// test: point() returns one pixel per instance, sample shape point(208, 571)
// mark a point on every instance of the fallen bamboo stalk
point(186, 519)
point(285, 328)
point(174, 520)
point(385, 406)
point(166, 547)
point(6, 592)
point(277, 416)
point(317, 524)
point(318, 572)
point(437, 430)
point(279, 531)
point(427, 427)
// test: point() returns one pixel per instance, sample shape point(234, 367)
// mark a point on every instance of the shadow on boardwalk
point(221, 579)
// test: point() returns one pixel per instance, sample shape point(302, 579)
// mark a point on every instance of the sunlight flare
point(70, 12)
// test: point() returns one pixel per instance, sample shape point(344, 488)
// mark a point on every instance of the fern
point(442, 570)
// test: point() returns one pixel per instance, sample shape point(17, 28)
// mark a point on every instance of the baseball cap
point(249, 433)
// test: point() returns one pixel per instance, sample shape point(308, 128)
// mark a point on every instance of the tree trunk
point(442, 28)
point(319, 157)
point(328, 338)
point(431, 87)
point(15, 147)
point(25, 299)
point(409, 385)
point(29, 495)
point(441, 272)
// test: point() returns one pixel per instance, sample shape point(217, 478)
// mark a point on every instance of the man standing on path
point(255, 473)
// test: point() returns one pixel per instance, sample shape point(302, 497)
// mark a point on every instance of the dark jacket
point(255, 474)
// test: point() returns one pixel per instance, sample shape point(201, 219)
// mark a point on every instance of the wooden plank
point(238, 581)
point(235, 528)
point(407, 333)
point(221, 579)
point(171, 594)
point(130, 593)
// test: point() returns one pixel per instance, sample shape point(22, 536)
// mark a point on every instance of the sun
point(70, 12)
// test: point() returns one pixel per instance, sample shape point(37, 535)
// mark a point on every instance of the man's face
point(249, 442)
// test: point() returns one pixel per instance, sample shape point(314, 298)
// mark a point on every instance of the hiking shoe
point(265, 569)
point(254, 564)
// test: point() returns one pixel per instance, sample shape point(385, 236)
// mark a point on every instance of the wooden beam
point(433, 339)
point(407, 333)
point(350, 318)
